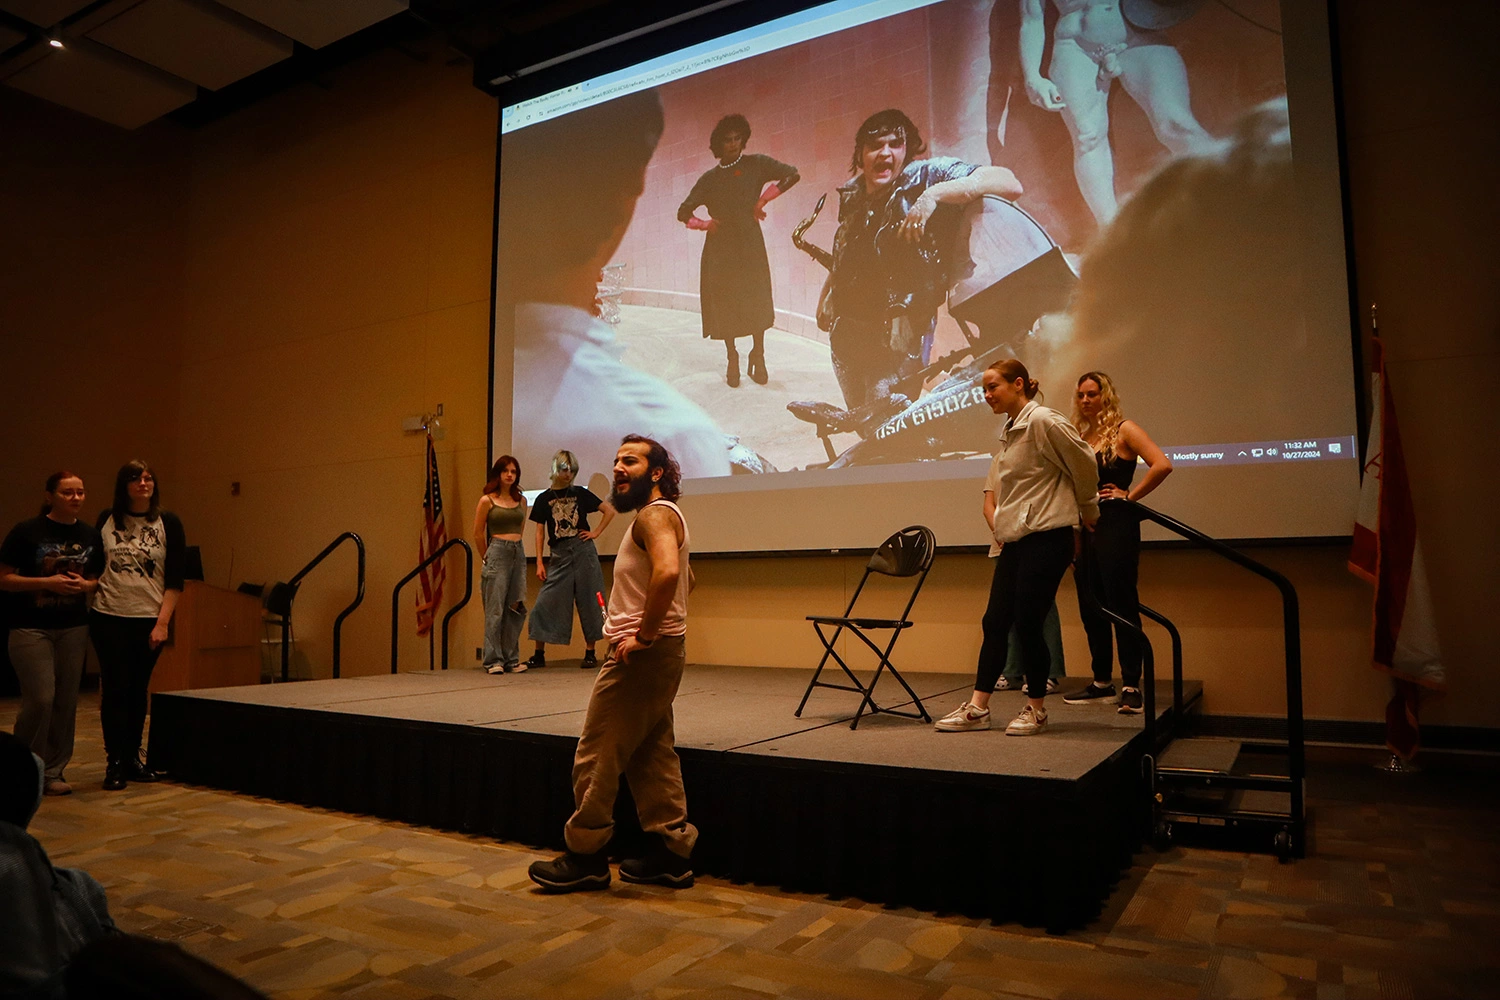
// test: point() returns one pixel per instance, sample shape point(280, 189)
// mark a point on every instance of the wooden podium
point(215, 641)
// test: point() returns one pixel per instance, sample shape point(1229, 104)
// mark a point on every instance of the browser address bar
point(768, 37)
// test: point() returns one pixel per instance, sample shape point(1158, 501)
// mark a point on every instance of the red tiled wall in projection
point(804, 104)
point(953, 67)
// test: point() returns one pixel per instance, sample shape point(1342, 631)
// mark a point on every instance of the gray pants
point(49, 664)
point(1052, 632)
point(502, 582)
point(573, 580)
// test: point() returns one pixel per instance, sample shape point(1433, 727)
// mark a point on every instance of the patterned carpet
point(1399, 899)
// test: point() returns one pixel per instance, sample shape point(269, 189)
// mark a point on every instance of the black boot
point(572, 872)
point(538, 661)
point(116, 774)
point(659, 867)
point(758, 367)
point(732, 370)
point(136, 770)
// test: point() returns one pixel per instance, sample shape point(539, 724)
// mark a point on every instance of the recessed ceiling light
point(56, 43)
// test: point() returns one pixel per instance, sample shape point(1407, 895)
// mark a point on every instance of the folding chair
point(907, 553)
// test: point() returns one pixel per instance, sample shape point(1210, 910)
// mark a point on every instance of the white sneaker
point(1052, 686)
point(495, 668)
point(1004, 684)
point(963, 719)
point(1030, 722)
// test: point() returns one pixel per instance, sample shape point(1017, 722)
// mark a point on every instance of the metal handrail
point(1292, 635)
point(1176, 636)
point(338, 623)
point(396, 595)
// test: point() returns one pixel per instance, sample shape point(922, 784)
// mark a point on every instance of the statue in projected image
point(735, 277)
point(1095, 42)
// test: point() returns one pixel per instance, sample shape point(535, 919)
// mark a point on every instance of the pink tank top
point(627, 598)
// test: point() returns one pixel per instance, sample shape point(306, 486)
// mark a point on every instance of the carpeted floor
point(1399, 899)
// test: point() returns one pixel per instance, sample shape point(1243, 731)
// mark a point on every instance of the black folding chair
point(907, 553)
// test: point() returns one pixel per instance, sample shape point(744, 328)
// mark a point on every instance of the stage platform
point(1035, 829)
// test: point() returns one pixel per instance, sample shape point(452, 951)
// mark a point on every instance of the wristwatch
point(642, 642)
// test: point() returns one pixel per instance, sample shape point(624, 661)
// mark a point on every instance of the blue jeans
point(502, 582)
point(573, 580)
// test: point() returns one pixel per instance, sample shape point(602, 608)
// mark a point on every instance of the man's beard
point(637, 494)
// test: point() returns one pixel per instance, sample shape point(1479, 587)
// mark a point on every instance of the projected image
point(804, 258)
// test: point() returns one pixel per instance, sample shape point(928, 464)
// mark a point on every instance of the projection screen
point(1178, 226)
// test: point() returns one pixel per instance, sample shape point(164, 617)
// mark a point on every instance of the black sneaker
point(660, 867)
point(1130, 701)
point(590, 661)
point(136, 770)
point(1090, 692)
point(116, 775)
point(538, 661)
point(571, 872)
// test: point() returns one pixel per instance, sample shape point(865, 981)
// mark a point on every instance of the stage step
point(1200, 753)
point(1214, 791)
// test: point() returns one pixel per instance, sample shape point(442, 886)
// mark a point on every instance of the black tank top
point(1116, 472)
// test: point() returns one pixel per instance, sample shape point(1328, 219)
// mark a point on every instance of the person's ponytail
point(1011, 369)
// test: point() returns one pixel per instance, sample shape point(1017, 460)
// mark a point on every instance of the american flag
point(434, 536)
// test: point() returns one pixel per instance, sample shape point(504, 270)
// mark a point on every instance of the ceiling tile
point(98, 82)
point(315, 23)
point(198, 42)
point(43, 13)
point(9, 38)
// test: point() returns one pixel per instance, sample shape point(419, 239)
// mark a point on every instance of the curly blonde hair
point(1107, 430)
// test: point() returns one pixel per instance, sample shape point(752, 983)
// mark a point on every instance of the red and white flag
point(1388, 553)
point(434, 536)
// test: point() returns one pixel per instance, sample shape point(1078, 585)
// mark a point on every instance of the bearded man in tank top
point(628, 727)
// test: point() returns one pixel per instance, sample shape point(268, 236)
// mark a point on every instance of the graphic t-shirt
point(43, 547)
point(143, 559)
point(564, 512)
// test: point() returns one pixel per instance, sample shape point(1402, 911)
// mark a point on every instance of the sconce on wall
point(431, 423)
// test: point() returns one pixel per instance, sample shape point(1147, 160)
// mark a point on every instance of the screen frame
point(619, 53)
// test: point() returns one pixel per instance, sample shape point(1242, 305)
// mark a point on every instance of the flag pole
point(1395, 764)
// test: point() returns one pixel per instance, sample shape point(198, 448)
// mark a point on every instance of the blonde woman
point(571, 577)
point(1112, 559)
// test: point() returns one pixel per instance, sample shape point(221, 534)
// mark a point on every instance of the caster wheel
point(1283, 845)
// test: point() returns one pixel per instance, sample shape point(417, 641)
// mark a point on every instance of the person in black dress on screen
point(735, 278)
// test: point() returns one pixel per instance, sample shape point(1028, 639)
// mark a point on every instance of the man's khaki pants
point(628, 730)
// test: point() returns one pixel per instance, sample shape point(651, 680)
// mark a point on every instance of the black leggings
point(126, 660)
point(1109, 566)
point(1024, 586)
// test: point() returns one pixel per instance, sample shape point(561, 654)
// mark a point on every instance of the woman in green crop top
point(502, 576)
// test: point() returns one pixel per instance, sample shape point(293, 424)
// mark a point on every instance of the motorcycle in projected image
point(1005, 274)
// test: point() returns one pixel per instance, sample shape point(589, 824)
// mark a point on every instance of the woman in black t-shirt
point(571, 577)
point(51, 564)
point(145, 559)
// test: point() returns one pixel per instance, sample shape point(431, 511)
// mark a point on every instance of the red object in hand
point(600, 595)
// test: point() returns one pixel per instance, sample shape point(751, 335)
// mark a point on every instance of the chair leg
point(902, 680)
point(827, 652)
point(811, 684)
